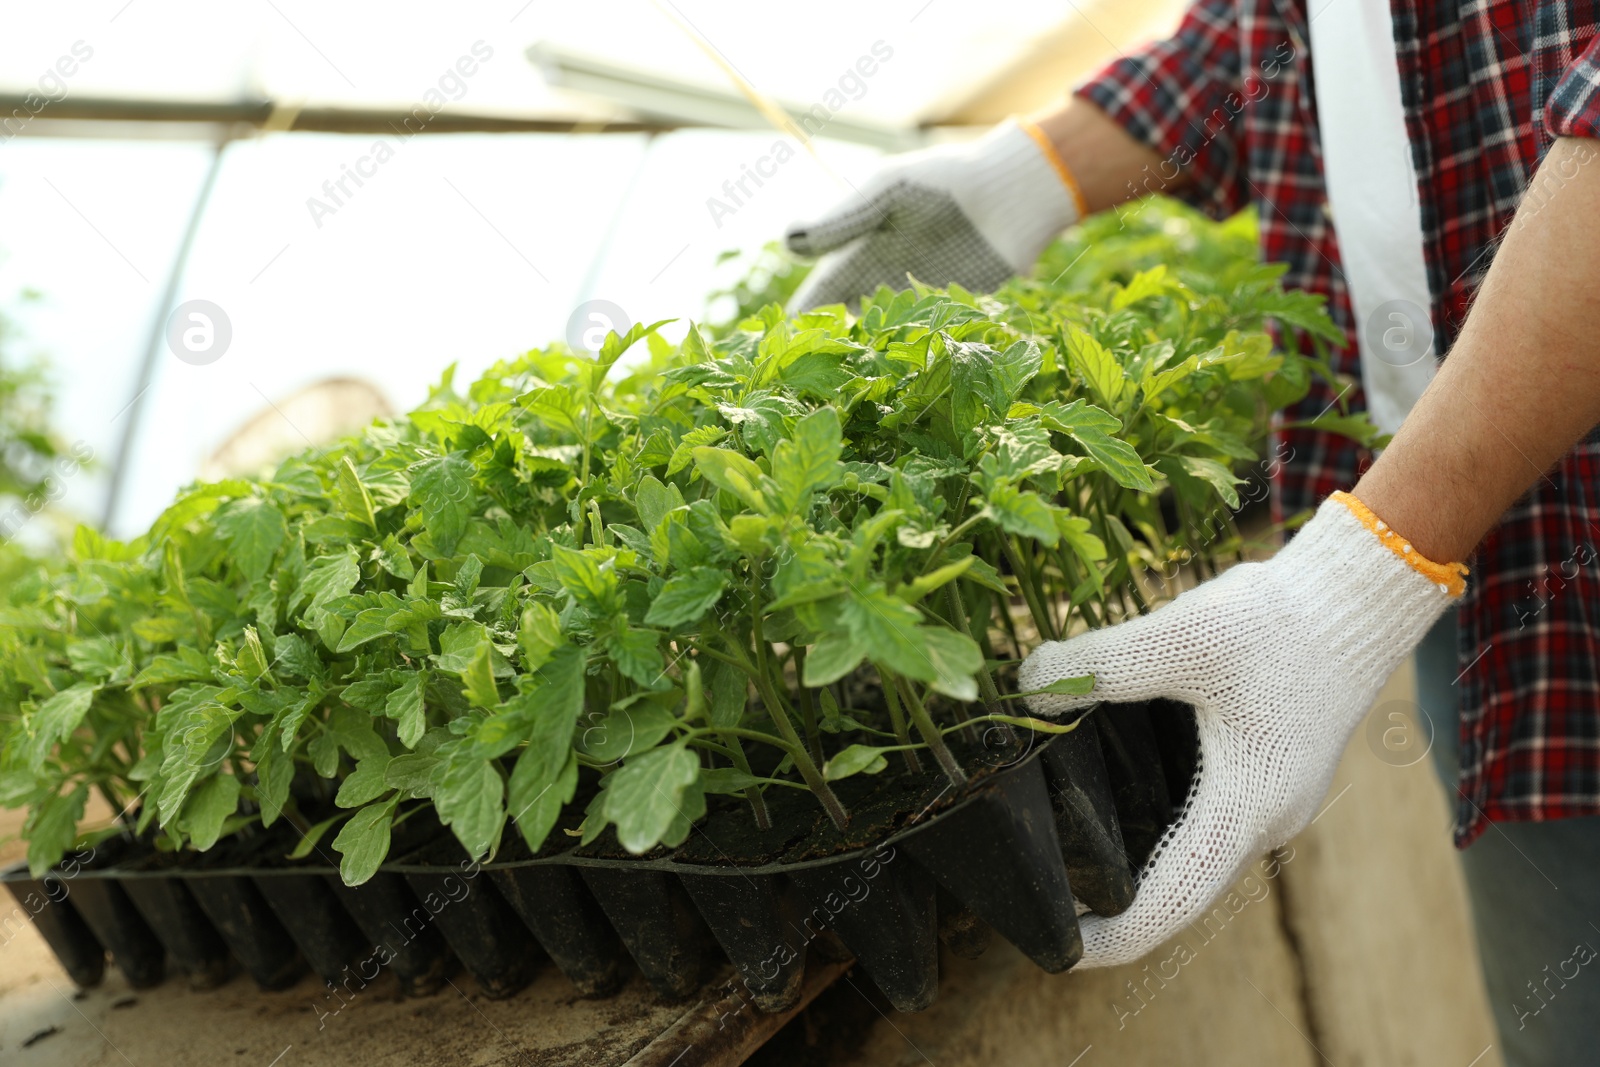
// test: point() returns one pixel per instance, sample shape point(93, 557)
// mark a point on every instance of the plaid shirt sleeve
point(1573, 109)
point(1180, 97)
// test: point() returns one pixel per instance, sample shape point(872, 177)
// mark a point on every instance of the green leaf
point(1157, 382)
point(292, 658)
point(412, 773)
point(353, 732)
point(254, 531)
point(727, 780)
point(1215, 475)
point(924, 584)
point(57, 718)
point(729, 689)
point(98, 658)
point(582, 577)
point(459, 646)
point(308, 841)
point(1075, 532)
point(613, 346)
point(366, 783)
point(441, 489)
point(853, 760)
point(406, 707)
point(1092, 428)
point(551, 707)
point(252, 658)
point(683, 453)
point(370, 694)
point(646, 796)
point(625, 731)
point(1142, 286)
point(327, 579)
point(1099, 369)
point(815, 374)
point(471, 801)
point(213, 801)
point(557, 406)
point(52, 828)
point(185, 665)
point(536, 799)
point(1023, 512)
point(363, 842)
point(1358, 427)
point(809, 460)
point(1010, 371)
point(956, 660)
point(735, 473)
point(274, 773)
point(687, 597)
point(478, 678)
point(888, 629)
point(352, 496)
point(395, 615)
point(1077, 686)
point(653, 500)
point(637, 654)
point(835, 655)
point(539, 635)
point(394, 558)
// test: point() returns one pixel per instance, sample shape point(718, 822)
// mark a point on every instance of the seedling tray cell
point(1086, 819)
point(169, 906)
point(247, 923)
point(47, 901)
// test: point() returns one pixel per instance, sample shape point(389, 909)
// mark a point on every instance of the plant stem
point(930, 733)
point(1041, 618)
point(1043, 726)
point(897, 719)
point(986, 686)
point(808, 713)
point(1010, 625)
point(769, 696)
point(752, 793)
point(723, 657)
point(950, 539)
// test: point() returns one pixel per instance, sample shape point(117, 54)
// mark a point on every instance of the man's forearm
point(1106, 160)
point(1522, 383)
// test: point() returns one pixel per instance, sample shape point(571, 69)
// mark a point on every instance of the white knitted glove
point(1280, 660)
point(974, 214)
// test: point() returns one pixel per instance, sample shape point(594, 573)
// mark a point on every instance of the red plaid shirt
point(1486, 86)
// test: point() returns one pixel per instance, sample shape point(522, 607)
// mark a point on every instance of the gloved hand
point(1280, 660)
point(974, 214)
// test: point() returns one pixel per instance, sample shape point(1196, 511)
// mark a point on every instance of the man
point(1408, 164)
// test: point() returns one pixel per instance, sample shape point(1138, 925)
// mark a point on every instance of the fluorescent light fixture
point(681, 103)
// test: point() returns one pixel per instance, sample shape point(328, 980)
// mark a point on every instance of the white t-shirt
point(1372, 193)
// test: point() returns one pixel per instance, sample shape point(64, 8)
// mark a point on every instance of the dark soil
point(729, 835)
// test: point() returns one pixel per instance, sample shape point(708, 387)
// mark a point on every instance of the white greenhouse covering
point(384, 256)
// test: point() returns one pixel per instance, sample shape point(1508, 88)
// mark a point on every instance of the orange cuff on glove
point(1451, 577)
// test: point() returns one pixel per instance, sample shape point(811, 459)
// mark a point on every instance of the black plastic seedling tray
point(1042, 822)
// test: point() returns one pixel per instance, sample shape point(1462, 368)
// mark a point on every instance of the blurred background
point(228, 231)
point(368, 194)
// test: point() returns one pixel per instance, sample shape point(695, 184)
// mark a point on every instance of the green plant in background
point(769, 276)
point(34, 459)
point(774, 558)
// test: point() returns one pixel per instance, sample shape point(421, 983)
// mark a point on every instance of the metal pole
point(152, 348)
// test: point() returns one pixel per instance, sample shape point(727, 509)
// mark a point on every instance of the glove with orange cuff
point(1280, 660)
